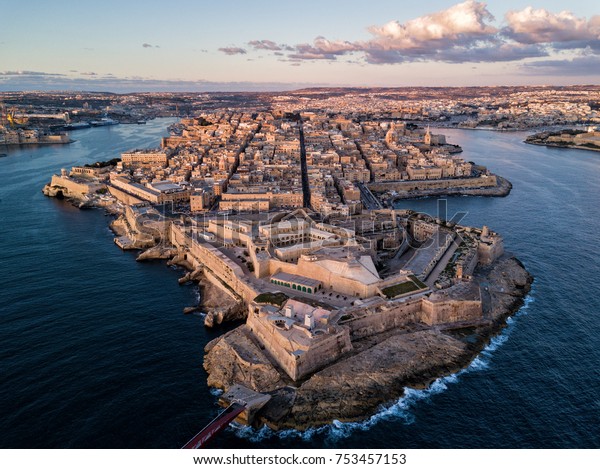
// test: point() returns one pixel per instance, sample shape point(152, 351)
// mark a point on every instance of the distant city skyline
point(260, 45)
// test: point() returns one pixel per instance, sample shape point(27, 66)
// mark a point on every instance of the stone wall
point(389, 316)
point(491, 250)
point(444, 312)
point(403, 186)
point(300, 360)
point(408, 312)
point(323, 349)
point(210, 257)
point(74, 188)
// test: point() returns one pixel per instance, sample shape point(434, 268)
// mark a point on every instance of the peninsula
point(345, 300)
point(568, 138)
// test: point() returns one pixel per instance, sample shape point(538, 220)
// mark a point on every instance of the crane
point(11, 115)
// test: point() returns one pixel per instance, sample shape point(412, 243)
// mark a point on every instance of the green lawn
point(399, 289)
point(272, 298)
point(418, 283)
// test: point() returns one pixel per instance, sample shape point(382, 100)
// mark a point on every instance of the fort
point(319, 295)
point(10, 137)
point(75, 185)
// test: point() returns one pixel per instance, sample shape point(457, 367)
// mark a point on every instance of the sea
point(95, 351)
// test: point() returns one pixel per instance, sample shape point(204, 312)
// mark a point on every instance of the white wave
point(251, 434)
point(477, 364)
point(399, 410)
point(497, 341)
point(216, 392)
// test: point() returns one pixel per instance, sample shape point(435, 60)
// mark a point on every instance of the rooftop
point(297, 279)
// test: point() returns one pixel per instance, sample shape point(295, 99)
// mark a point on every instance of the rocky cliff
point(235, 358)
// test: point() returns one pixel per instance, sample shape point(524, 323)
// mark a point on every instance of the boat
point(103, 122)
point(141, 121)
point(77, 126)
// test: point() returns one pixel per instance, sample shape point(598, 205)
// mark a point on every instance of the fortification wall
point(323, 349)
point(489, 252)
point(402, 186)
point(217, 283)
point(124, 197)
point(444, 312)
point(177, 236)
point(412, 312)
point(74, 188)
point(404, 313)
point(59, 138)
point(203, 253)
point(328, 349)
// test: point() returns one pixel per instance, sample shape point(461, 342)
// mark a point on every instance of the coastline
point(352, 388)
point(557, 145)
point(376, 372)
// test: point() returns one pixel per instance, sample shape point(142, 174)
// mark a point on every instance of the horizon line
point(287, 90)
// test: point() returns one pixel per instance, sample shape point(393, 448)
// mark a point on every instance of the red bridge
point(215, 426)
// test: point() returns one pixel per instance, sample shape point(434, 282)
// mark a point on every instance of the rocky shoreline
point(559, 145)
point(376, 372)
point(217, 303)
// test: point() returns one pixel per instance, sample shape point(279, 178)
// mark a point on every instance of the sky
point(125, 46)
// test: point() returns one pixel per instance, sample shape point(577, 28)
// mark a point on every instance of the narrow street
point(304, 168)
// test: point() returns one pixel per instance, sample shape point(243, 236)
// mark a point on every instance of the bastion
point(337, 325)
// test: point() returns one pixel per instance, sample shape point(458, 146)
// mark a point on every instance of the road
point(367, 198)
point(304, 168)
point(441, 264)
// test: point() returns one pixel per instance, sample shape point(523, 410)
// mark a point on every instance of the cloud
point(458, 25)
point(562, 30)
point(145, 45)
point(579, 66)
point(462, 33)
point(322, 48)
point(16, 81)
point(232, 50)
point(89, 74)
point(491, 53)
point(29, 73)
point(265, 44)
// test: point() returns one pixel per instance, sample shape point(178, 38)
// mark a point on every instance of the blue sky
point(213, 45)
